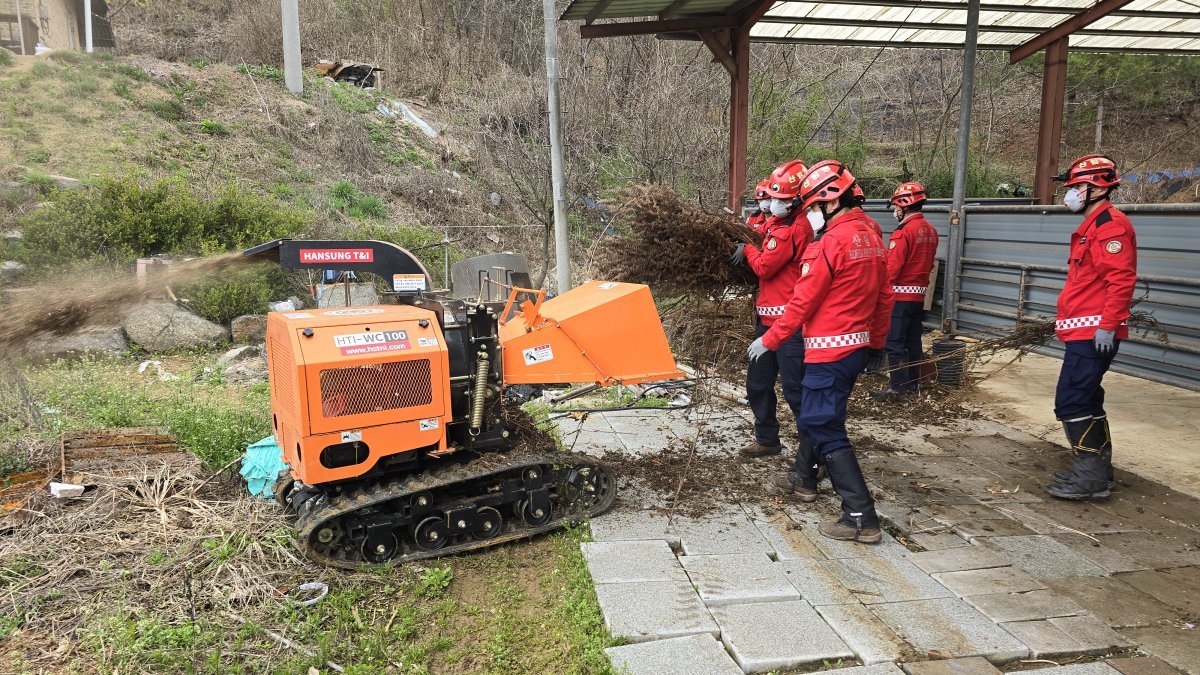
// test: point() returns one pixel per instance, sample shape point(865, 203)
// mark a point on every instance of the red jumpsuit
point(777, 264)
point(757, 220)
point(842, 297)
point(909, 261)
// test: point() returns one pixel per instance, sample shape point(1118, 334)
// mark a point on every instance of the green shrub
point(213, 128)
point(116, 221)
point(41, 70)
point(6, 58)
point(171, 110)
point(38, 181)
point(345, 197)
point(243, 292)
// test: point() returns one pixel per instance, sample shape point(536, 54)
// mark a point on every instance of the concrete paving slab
point(1110, 560)
point(633, 525)
point(1030, 606)
point(1113, 601)
point(870, 640)
point(1178, 588)
point(654, 610)
point(1091, 633)
point(738, 578)
point(875, 579)
point(1043, 557)
point(626, 561)
point(937, 542)
point(833, 548)
point(1172, 643)
point(975, 665)
point(727, 532)
point(1093, 668)
point(778, 636)
point(789, 542)
point(1089, 517)
point(989, 581)
point(1153, 549)
point(951, 627)
point(816, 584)
point(678, 656)
point(974, 529)
point(1044, 639)
point(877, 669)
point(957, 559)
point(1141, 665)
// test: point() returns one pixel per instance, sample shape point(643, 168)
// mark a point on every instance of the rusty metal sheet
point(15, 492)
point(108, 455)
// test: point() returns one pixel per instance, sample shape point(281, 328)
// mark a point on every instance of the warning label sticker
point(372, 343)
point(351, 436)
point(408, 282)
point(429, 424)
point(298, 315)
point(538, 354)
point(352, 312)
point(608, 285)
point(336, 255)
point(427, 342)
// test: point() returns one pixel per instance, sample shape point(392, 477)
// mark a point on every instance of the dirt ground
point(1154, 426)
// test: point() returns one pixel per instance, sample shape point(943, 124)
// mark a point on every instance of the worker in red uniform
point(843, 301)
point(911, 251)
point(777, 264)
point(1093, 308)
point(762, 207)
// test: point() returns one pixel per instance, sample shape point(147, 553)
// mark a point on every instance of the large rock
point(249, 329)
point(163, 326)
point(97, 340)
point(246, 370)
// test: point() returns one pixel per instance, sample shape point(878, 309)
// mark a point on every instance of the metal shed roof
point(1143, 26)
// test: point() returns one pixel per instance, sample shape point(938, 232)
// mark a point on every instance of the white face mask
point(899, 213)
point(1073, 200)
point(780, 208)
point(764, 205)
point(816, 218)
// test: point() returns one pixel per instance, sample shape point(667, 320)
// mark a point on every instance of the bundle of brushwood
point(711, 334)
point(674, 246)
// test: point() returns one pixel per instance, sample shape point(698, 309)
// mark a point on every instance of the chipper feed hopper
point(390, 416)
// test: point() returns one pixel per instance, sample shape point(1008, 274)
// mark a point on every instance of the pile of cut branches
point(673, 245)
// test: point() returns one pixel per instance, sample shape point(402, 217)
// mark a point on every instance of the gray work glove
point(739, 256)
point(1103, 341)
point(757, 349)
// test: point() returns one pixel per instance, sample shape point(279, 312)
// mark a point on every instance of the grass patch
point(266, 72)
point(171, 110)
point(344, 196)
point(351, 99)
point(213, 421)
point(213, 128)
point(6, 57)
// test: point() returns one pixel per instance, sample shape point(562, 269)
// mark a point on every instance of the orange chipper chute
point(604, 332)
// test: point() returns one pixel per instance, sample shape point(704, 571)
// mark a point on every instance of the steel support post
point(956, 240)
point(562, 244)
point(1054, 93)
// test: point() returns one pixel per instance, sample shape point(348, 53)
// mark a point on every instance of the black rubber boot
point(859, 521)
point(1106, 445)
point(1090, 473)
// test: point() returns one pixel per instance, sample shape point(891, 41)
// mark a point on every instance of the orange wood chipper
point(390, 416)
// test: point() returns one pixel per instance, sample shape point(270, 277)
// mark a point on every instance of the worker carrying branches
point(911, 250)
point(777, 265)
point(843, 301)
point(1093, 311)
point(761, 213)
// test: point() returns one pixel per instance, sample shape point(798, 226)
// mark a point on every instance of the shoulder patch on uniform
point(804, 269)
point(771, 244)
point(892, 244)
point(1113, 246)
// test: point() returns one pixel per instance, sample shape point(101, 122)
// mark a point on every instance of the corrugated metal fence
point(1014, 262)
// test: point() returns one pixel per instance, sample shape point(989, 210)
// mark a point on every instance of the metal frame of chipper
point(390, 416)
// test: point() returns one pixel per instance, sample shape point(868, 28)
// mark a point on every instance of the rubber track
point(337, 506)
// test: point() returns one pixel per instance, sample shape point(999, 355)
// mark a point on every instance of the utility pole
point(87, 25)
point(293, 75)
point(21, 28)
point(562, 252)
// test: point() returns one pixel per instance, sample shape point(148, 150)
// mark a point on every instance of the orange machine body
point(603, 332)
point(352, 386)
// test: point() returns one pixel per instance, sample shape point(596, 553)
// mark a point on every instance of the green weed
point(6, 57)
point(351, 99)
point(198, 62)
point(213, 128)
point(170, 110)
point(128, 641)
point(267, 72)
point(12, 462)
point(434, 581)
point(41, 70)
point(344, 196)
point(39, 181)
point(39, 156)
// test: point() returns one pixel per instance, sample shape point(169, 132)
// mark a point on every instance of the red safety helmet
point(908, 194)
point(1096, 170)
point(827, 181)
point(784, 182)
point(760, 191)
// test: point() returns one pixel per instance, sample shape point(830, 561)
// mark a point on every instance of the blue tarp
point(261, 466)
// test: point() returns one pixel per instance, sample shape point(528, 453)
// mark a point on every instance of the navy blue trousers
point(1079, 393)
point(904, 344)
point(786, 363)
point(826, 391)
